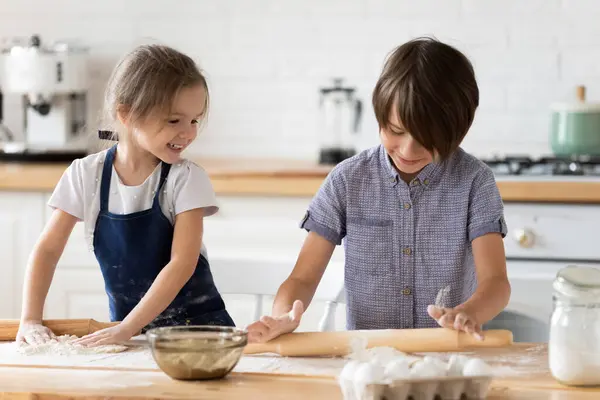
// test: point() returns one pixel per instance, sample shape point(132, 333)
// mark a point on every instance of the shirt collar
point(427, 174)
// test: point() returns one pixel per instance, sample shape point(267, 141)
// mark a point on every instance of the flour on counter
point(64, 346)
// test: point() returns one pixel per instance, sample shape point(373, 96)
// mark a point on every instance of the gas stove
point(544, 166)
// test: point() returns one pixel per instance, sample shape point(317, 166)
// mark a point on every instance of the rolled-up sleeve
point(486, 211)
point(326, 214)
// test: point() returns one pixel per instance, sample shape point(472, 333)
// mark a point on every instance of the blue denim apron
point(132, 249)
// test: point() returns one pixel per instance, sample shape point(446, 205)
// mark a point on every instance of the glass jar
point(574, 342)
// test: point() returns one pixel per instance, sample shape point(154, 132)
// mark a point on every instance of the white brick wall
point(265, 59)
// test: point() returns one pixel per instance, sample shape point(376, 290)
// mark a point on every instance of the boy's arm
point(493, 289)
point(325, 222)
point(296, 292)
point(306, 275)
point(486, 230)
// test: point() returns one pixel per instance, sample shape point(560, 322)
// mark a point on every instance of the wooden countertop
point(301, 178)
point(529, 379)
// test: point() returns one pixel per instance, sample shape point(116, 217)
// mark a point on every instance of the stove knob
point(525, 237)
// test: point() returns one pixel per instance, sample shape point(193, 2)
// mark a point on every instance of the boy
point(418, 214)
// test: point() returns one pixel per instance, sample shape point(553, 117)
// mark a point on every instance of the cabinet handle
point(525, 238)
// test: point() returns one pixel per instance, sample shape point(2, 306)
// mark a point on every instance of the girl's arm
point(40, 270)
point(187, 244)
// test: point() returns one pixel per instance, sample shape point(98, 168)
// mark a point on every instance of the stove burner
point(523, 165)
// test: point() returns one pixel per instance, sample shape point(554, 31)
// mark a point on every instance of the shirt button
point(406, 292)
point(426, 181)
point(407, 206)
point(407, 251)
point(416, 182)
point(393, 179)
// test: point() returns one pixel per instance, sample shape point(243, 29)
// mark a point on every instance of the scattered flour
point(64, 346)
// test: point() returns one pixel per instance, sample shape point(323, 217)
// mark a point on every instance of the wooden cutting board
point(77, 327)
point(311, 344)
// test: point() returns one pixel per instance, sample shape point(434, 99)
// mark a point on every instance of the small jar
point(574, 342)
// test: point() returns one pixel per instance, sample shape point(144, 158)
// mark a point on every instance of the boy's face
point(406, 153)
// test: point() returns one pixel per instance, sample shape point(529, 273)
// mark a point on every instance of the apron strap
point(105, 180)
point(164, 171)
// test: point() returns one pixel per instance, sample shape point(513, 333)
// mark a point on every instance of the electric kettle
point(340, 115)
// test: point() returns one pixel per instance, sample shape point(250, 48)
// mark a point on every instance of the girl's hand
point(34, 333)
point(269, 328)
point(455, 318)
point(114, 335)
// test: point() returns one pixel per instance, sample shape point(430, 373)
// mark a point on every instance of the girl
point(142, 206)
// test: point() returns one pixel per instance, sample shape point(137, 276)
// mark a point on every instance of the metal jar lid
point(579, 282)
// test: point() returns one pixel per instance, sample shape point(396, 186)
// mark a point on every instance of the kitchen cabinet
point(21, 222)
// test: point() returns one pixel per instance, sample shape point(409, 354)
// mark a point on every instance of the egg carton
point(444, 388)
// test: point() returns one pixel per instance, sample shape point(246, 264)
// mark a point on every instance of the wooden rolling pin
point(78, 327)
point(311, 344)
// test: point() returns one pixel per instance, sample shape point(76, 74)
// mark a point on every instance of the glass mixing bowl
point(197, 352)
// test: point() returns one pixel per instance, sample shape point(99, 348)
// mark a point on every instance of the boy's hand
point(455, 318)
point(269, 328)
point(34, 333)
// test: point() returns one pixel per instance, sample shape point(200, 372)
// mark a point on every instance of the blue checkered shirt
point(404, 242)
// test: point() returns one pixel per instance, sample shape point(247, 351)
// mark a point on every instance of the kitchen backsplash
point(266, 59)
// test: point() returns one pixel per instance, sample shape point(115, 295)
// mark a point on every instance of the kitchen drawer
point(553, 231)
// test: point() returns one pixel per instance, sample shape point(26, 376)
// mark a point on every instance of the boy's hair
point(146, 81)
point(432, 88)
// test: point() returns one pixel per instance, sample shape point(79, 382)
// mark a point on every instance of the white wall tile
point(409, 8)
point(504, 8)
point(582, 63)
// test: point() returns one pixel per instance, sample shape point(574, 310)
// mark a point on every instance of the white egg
point(346, 379)
point(435, 361)
point(349, 370)
point(365, 374)
point(397, 369)
point(456, 364)
point(369, 373)
point(422, 369)
point(477, 367)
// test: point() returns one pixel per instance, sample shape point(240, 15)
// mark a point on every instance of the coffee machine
point(52, 84)
point(340, 116)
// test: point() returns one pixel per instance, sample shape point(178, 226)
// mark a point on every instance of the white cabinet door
point(21, 222)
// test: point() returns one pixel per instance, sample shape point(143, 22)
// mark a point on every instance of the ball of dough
point(383, 355)
point(456, 364)
point(397, 369)
point(477, 367)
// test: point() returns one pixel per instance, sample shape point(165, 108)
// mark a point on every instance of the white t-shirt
point(78, 192)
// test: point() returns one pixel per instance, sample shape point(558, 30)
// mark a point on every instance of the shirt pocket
point(369, 246)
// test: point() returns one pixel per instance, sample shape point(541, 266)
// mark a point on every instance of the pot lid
point(576, 281)
point(579, 106)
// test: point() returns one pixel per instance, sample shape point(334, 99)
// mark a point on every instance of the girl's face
point(166, 138)
point(408, 155)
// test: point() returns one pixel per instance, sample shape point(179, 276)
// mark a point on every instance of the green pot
point(575, 129)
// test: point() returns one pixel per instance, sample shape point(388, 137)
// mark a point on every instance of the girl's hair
point(146, 81)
